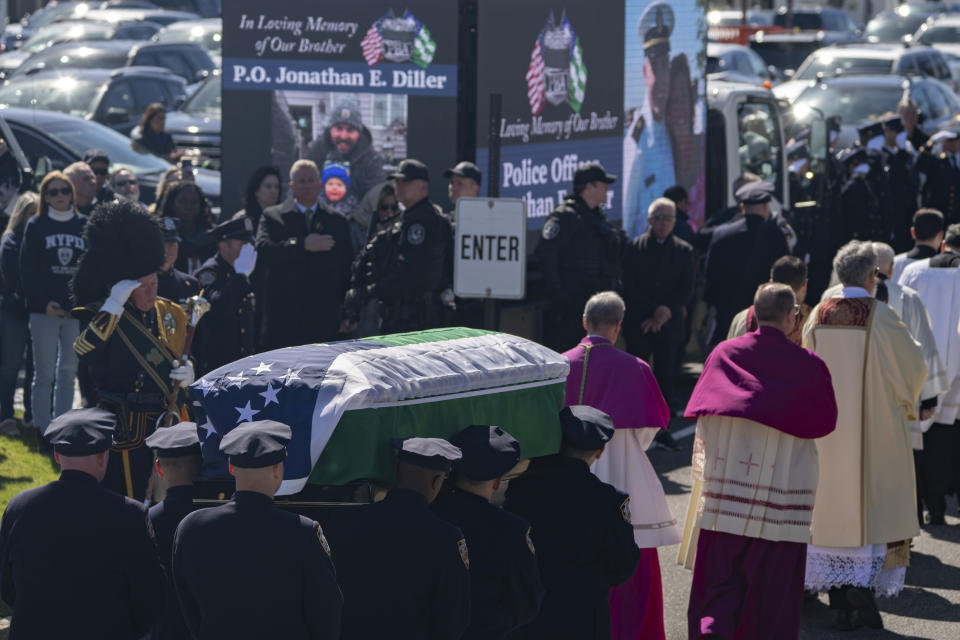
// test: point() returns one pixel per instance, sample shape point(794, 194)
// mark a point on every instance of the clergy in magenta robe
point(865, 512)
point(759, 403)
point(624, 387)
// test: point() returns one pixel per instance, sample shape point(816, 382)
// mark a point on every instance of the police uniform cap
point(592, 172)
point(656, 25)
point(237, 229)
point(410, 169)
point(488, 452)
point(171, 229)
point(81, 432)
point(854, 156)
point(871, 129)
point(429, 453)
point(894, 123)
point(757, 192)
point(253, 445)
point(176, 441)
point(585, 428)
point(944, 134)
point(464, 170)
point(798, 149)
point(96, 155)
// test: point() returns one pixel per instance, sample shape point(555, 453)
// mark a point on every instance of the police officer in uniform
point(172, 283)
point(505, 587)
point(579, 254)
point(232, 561)
point(178, 463)
point(585, 541)
point(859, 205)
point(225, 333)
point(903, 183)
point(397, 554)
point(409, 266)
point(465, 179)
point(77, 560)
point(941, 191)
point(132, 340)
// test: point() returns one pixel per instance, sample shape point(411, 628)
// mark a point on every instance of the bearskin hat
point(123, 242)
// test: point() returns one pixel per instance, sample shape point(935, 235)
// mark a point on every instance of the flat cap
point(410, 169)
point(176, 441)
point(464, 170)
point(585, 428)
point(488, 452)
point(755, 192)
point(429, 453)
point(238, 229)
point(171, 229)
point(81, 432)
point(592, 172)
point(252, 445)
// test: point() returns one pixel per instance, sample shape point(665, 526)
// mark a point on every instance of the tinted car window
point(148, 91)
point(73, 60)
point(136, 31)
point(938, 106)
point(893, 29)
point(802, 21)
point(943, 34)
point(167, 59)
point(854, 104)
point(119, 96)
point(199, 60)
point(36, 147)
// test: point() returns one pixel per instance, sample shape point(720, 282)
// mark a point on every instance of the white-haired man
point(865, 511)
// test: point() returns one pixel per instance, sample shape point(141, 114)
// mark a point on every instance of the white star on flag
point(270, 395)
point(246, 413)
point(207, 428)
point(263, 367)
point(291, 375)
point(206, 386)
point(237, 379)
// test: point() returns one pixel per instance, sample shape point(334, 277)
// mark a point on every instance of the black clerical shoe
point(664, 440)
point(937, 519)
point(844, 621)
point(865, 604)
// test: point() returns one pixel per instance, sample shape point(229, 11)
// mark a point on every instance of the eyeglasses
point(661, 217)
point(123, 183)
point(389, 207)
point(54, 192)
point(796, 310)
point(100, 171)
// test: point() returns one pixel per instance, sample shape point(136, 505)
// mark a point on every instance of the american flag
point(536, 82)
point(372, 45)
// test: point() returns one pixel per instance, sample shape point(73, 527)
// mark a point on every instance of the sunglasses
point(100, 171)
point(389, 207)
point(54, 192)
point(123, 183)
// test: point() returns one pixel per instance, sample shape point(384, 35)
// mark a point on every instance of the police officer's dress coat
point(941, 190)
point(225, 333)
point(247, 569)
point(584, 542)
point(79, 561)
point(165, 516)
point(579, 254)
point(505, 587)
point(403, 571)
point(304, 289)
point(176, 285)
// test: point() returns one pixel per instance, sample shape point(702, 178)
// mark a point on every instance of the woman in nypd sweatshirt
point(52, 246)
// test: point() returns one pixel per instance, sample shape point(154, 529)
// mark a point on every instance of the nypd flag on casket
point(345, 400)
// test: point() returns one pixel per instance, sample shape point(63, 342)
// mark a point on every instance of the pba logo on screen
point(398, 39)
point(557, 72)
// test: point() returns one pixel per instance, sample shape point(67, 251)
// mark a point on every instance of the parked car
point(47, 14)
point(737, 63)
point(204, 8)
point(195, 127)
point(942, 33)
point(159, 16)
point(858, 99)
point(866, 59)
point(61, 140)
point(188, 61)
point(114, 98)
point(734, 18)
point(75, 31)
point(814, 18)
point(895, 26)
point(207, 33)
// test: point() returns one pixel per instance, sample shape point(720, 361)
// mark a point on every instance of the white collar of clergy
point(855, 292)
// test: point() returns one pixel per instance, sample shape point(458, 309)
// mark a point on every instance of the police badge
point(462, 546)
point(625, 509)
point(416, 234)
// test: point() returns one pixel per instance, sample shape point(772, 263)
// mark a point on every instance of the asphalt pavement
point(928, 607)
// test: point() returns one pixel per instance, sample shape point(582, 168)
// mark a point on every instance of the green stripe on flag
point(360, 445)
point(430, 335)
point(578, 78)
point(424, 48)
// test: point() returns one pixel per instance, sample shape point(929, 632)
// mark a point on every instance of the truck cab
point(744, 134)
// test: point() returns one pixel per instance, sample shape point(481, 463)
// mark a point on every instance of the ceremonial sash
point(153, 354)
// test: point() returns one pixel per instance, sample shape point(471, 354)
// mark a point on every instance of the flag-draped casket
point(346, 400)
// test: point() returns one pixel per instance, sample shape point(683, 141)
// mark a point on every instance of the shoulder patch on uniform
point(323, 540)
point(625, 509)
point(464, 556)
point(416, 234)
point(206, 277)
point(551, 229)
point(530, 541)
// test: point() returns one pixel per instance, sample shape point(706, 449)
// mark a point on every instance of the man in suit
point(78, 560)
point(305, 248)
point(229, 561)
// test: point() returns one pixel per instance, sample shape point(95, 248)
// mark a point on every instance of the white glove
point(246, 261)
point(183, 375)
point(119, 294)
